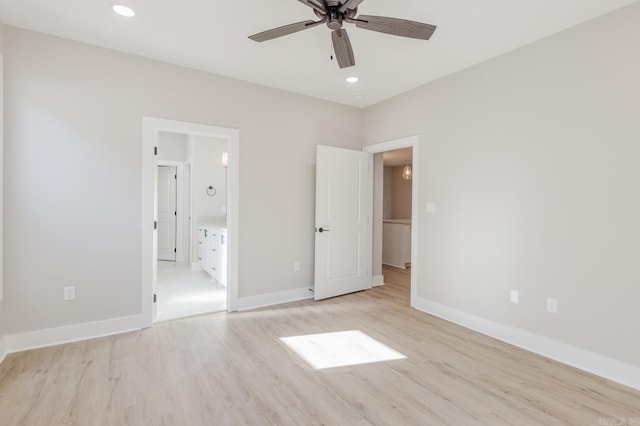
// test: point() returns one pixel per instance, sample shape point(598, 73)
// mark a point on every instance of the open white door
point(167, 212)
point(343, 227)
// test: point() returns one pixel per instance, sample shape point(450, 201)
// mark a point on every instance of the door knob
point(323, 230)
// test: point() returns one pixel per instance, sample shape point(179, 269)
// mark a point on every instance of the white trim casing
point(3, 348)
point(377, 280)
point(276, 298)
point(1, 183)
point(72, 333)
point(410, 141)
point(602, 366)
point(150, 128)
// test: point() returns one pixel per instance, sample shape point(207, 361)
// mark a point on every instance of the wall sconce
point(225, 159)
point(407, 173)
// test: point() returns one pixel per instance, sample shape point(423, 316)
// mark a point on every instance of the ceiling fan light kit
point(334, 13)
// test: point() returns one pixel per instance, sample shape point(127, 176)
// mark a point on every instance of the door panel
point(343, 192)
point(343, 228)
point(343, 256)
point(167, 202)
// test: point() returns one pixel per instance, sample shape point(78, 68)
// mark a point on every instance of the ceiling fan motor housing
point(334, 19)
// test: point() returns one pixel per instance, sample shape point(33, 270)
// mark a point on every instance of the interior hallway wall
point(397, 195)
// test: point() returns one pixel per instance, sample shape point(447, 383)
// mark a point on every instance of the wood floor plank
point(233, 369)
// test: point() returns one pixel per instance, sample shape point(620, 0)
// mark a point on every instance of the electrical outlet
point(552, 305)
point(431, 207)
point(515, 296)
point(69, 293)
point(296, 266)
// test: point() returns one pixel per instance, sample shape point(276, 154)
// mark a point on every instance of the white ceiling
point(211, 35)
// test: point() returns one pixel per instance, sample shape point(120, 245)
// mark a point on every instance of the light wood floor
point(232, 369)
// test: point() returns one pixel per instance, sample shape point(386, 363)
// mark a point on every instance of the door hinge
point(175, 176)
point(155, 150)
point(155, 224)
point(175, 250)
point(175, 213)
point(155, 298)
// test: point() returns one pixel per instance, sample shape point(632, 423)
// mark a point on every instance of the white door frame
point(150, 128)
point(187, 187)
point(414, 142)
point(180, 211)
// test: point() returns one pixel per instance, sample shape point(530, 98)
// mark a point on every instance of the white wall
point(173, 146)
point(73, 123)
point(532, 161)
point(207, 171)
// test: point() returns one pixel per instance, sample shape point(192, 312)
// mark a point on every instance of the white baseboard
point(270, 299)
point(617, 371)
point(3, 348)
point(72, 333)
point(377, 280)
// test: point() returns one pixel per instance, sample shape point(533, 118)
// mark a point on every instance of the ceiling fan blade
point(284, 30)
point(342, 47)
point(350, 5)
point(394, 26)
point(317, 5)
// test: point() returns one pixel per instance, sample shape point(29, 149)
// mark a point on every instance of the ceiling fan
point(334, 13)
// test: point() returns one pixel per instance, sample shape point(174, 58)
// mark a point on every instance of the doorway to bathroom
point(192, 176)
point(190, 196)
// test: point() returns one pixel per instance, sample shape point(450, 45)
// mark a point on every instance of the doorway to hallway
point(395, 212)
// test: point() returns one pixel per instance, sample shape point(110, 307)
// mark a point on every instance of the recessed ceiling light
point(123, 10)
point(359, 96)
point(353, 79)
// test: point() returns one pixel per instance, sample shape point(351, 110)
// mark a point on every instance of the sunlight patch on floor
point(339, 349)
